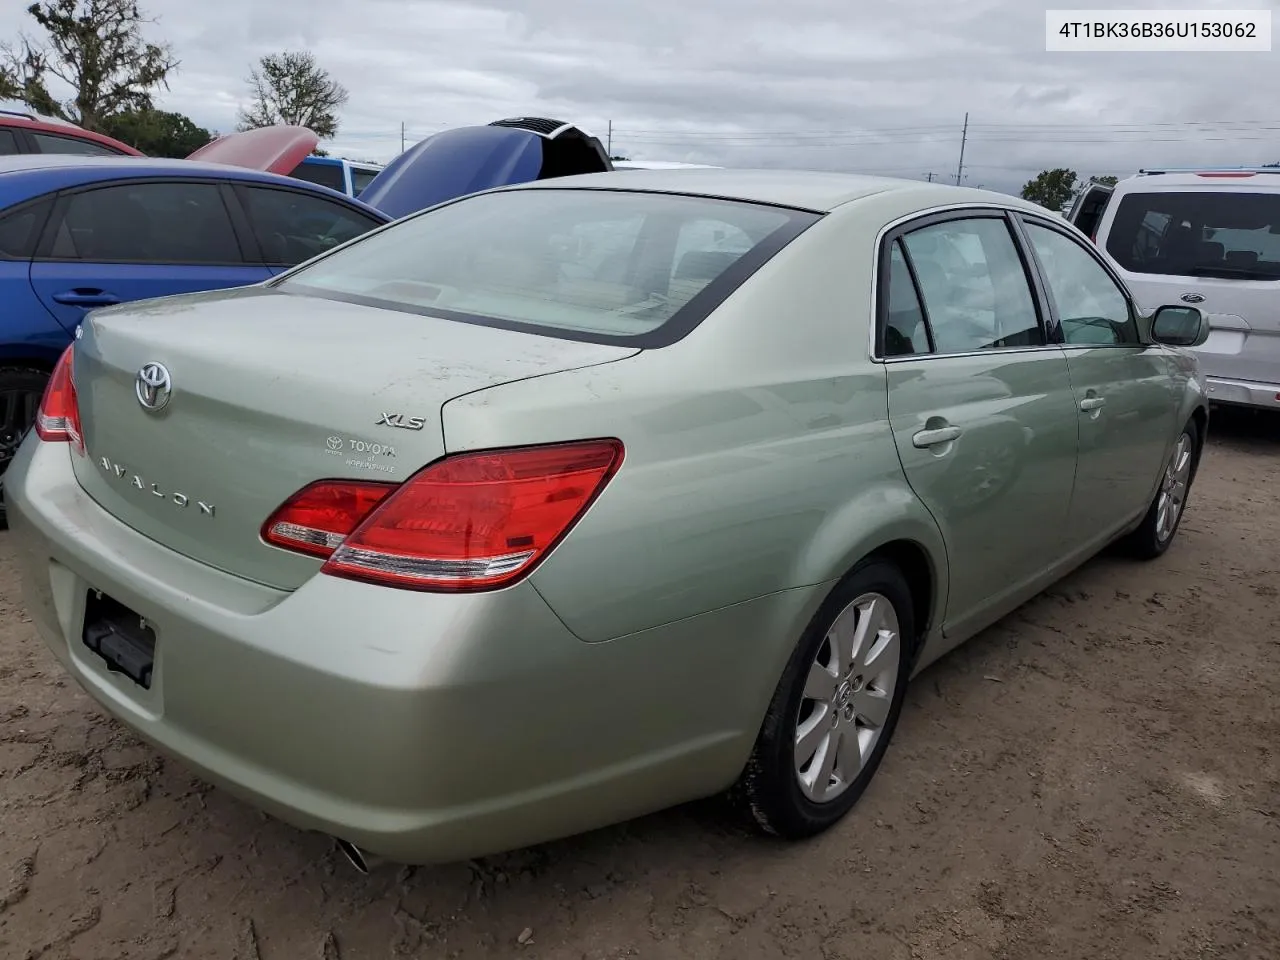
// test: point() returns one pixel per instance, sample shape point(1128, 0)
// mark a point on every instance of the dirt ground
point(1096, 777)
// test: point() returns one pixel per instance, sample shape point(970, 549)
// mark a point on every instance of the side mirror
point(1176, 325)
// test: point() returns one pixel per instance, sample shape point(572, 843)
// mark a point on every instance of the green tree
point(157, 133)
point(1109, 180)
point(1051, 188)
point(97, 48)
point(291, 88)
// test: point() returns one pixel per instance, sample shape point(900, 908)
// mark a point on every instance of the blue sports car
point(82, 232)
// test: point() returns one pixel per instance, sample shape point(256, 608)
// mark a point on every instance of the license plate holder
point(120, 637)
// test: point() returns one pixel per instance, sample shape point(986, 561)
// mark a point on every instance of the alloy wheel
point(1173, 487)
point(847, 697)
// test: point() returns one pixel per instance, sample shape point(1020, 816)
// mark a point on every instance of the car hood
point(277, 149)
point(463, 160)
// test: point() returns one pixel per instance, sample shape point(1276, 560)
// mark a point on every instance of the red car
point(24, 132)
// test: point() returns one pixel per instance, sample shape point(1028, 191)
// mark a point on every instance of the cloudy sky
point(818, 84)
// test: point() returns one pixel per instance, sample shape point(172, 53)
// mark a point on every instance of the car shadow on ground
point(1256, 431)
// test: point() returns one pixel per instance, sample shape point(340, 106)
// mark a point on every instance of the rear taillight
point(319, 517)
point(474, 521)
point(58, 419)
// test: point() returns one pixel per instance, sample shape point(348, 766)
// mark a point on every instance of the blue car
point(82, 232)
point(345, 176)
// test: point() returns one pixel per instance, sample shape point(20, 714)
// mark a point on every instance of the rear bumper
point(1248, 393)
point(421, 727)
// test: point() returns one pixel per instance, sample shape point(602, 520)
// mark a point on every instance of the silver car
point(562, 503)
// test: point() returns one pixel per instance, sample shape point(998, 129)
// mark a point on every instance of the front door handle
point(931, 438)
point(86, 297)
point(1089, 404)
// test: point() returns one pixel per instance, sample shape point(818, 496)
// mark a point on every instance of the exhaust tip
point(353, 855)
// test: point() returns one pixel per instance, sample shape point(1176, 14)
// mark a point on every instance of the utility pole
point(402, 136)
point(609, 145)
point(930, 176)
point(964, 135)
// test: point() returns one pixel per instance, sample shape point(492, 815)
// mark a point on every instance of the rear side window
point(605, 266)
point(148, 223)
point(292, 226)
point(325, 174)
point(8, 143)
point(361, 179)
point(1198, 233)
point(52, 143)
point(20, 230)
point(974, 286)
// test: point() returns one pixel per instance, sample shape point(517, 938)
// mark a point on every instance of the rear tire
point(835, 708)
point(21, 389)
point(1164, 516)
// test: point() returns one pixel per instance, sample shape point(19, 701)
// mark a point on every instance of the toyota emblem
point(1192, 298)
point(153, 387)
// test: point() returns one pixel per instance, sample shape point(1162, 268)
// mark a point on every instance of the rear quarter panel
point(758, 456)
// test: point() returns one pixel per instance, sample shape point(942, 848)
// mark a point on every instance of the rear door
point(1123, 388)
point(291, 226)
point(980, 405)
point(134, 240)
point(1091, 203)
point(1217, 246)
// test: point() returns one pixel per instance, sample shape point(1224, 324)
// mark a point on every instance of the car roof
point(1221, 178)
point(69, 170)
point(818, 191)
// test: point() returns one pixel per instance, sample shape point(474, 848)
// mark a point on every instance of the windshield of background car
point(600, 265)
point(1228, 234)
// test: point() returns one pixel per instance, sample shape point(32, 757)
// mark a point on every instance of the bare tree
point(292, 88)
point(97, 48)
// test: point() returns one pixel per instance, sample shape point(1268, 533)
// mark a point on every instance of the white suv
point(1209, 238)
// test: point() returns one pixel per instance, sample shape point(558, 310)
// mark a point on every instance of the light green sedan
point(559, 504)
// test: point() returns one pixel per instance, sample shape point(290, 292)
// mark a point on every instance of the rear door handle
point(1092, 403)
point(931, 438)
point(86, 297)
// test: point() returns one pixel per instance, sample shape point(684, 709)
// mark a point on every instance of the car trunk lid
point(276, 149)
point(255, 393)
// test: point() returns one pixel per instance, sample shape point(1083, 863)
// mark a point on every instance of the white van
point(1209, 237)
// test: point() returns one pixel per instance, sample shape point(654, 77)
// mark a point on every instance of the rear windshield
point(599, 265)
point(1198, 234)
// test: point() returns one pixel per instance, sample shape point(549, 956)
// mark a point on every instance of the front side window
point(1092, 309)
point(52, 143)
point(609, 266)
point(292, 226)
point(1198, 233)
point(8, 143)
point(974, 286)
point(148, 223)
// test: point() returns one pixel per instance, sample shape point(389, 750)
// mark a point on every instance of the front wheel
point(21, 390)
point(835, 708)
point(1164, 515)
